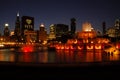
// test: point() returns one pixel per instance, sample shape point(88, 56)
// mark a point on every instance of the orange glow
point(89, 47)
point(118, 45)
point(98, 47)
point(86, 35)
point(71, 47)
point(66, 47)
point(80, 48)
point(58, 47)
point(75, 42)
point(62, 47)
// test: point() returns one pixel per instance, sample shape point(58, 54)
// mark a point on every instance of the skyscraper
point(17, 31)
point(117, 24)
point(52, 32)
point(27, 24)
point(73, 25)
point(6, 30)
point(42, 33)
point(61, 29)
point(104, 28)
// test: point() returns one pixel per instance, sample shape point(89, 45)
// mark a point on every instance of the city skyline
point(60, 12)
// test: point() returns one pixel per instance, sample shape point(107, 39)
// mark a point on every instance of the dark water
point(59, 56)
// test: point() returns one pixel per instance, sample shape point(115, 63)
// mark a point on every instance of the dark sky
point(60, 11)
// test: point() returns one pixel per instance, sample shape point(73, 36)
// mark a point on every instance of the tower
point(73, 25)
point(42, 33)
point(104, 28)
point(6, 30)
point(17, 31)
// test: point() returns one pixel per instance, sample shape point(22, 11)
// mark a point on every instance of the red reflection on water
point(27, 58)
point(27, 48)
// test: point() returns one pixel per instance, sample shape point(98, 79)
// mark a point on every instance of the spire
point(18, 14)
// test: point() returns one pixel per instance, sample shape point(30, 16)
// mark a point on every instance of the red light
point(28, 48)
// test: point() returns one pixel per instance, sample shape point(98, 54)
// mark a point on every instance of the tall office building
point(17, 31)
point(27, 24)
point(73, 25)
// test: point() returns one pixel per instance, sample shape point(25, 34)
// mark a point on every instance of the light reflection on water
point(58, 56)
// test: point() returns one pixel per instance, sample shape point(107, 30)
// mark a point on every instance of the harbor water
point(57, 56)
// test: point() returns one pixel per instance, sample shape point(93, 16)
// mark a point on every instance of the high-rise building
point(114, 31)
point(17, 31)
point(42, 33)
point(6, 30)
point(27, 24)
point(117, 24)
point(73, 25)
point(61, 29)
point(104, 28)
point(52, 32)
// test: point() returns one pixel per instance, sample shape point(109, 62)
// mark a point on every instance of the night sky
point(60, 11)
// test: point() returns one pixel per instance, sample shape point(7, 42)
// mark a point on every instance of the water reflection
point(6, 56)
point(43, 57)
point(59, 56)
point(26, 57)
point(78, 56)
